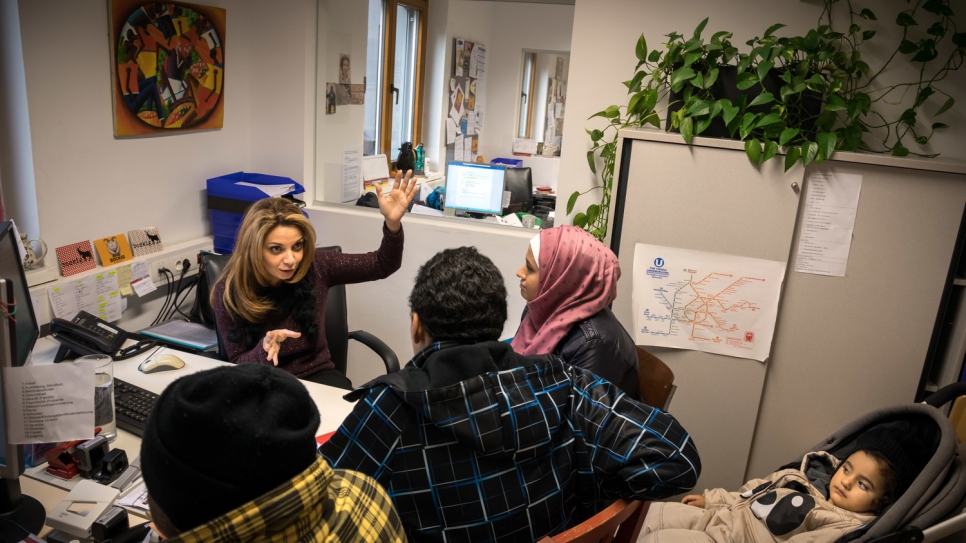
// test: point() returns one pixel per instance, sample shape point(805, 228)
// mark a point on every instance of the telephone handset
point(89, 334)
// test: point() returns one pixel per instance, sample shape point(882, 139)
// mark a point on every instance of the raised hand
point(394, 205)
point(272, 342)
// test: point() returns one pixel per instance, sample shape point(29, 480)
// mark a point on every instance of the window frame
point(530, 56)
point(384, 145)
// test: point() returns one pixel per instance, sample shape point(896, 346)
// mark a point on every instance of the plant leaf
point(936, 126)
point(921, 96)
point(612, 112)
point(899, 150)
point(771, 148)
point(728, 111)
point(835, 103)
point(747, 121)
point(791, 157)
point(905, 19)
point(772, 29)
point(922, 140)
point(826, 143)
point(764, 68)
point(592, 163)
point(641, 49)
point(949, 103)
point(927, 51)
point(771, 118)
point(710, 78)
point(908, 117)
point(867, 15)
point(743, 64)
point(868, 34)
point(746, 80)
point(700, 28)
point(580, 220)
point(906, 47)
point(854, 28)
point(703, 124)
point(809, 152)
point(753, 150)
point(687, 129)
point(572, 201)
point(679, 77)
point(938, 7)
point(654, 56)
point(593, 211)
point(691, 57)
point(763, 98)
point(937, 29)
point(699, 108)
point(787, 135)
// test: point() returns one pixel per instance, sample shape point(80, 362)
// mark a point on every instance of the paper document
point(136, 498)
point(50, 402)
point(191, 334)
point(424, 210)
point(375, 167)
point(827, 223)
point(351, 173)
point(271, 190)
point(98, 294)
point(705, 301)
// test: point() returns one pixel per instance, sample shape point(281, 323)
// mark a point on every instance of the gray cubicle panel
point(843, 345)
point(706, 199)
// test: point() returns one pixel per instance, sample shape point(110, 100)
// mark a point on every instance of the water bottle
point(419, 157)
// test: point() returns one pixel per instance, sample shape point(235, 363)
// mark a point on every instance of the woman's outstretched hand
point(394, 205)
point(272, 342)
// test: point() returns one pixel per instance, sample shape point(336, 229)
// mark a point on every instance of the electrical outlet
point(174, 264)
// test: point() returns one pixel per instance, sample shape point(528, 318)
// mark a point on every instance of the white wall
point(606, 31)
point(382, 307)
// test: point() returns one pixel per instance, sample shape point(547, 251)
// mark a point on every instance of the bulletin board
point(467, 100)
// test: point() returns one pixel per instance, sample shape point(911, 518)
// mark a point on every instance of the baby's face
point(857, 484)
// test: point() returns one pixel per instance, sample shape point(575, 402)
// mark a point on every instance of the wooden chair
point(619, 523)
point(655, 380)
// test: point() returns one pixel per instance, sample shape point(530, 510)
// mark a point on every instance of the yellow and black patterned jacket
point(318, 505)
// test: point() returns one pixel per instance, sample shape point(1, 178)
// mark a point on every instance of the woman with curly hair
point(270, 300)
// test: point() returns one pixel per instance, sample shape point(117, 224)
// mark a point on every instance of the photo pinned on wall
point(169, 67)
point(344, 77)
point(467, 98)
point(113, 250)
point(357, 95)
point(330, 98)
point(145, 241)
point(343, 94)
point(458, 67)
point(560, 67)
point(75, 258)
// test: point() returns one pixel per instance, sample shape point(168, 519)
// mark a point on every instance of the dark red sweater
point(304, 356)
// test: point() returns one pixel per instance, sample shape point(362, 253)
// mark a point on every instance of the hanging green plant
point(807, 95)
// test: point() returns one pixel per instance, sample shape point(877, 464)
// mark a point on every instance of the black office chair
point(337, 332)
point(519, 182)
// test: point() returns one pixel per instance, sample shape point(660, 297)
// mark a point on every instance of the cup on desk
point(529, 221)
point(103, 394)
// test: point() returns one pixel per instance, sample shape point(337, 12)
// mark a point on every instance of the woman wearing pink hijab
point(568, 281)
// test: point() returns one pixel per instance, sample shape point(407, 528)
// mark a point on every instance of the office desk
point(332, 408)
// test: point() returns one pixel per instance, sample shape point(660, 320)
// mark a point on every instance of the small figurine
point(32, 259)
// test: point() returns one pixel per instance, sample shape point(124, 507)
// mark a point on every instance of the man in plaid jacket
point(474, 442)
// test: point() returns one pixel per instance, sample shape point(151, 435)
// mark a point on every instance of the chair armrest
point(379, 347)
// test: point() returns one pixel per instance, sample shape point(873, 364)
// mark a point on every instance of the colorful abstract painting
point(169, 67)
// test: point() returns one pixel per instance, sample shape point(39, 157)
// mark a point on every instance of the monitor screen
point(474, 187)
point(11, 269)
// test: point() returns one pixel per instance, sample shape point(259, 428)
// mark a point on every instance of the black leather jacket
point(601, 345)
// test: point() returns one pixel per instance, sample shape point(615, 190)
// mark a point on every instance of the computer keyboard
point(132, 405)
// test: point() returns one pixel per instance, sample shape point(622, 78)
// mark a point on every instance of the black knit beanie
point(220, 438)
point(906, 451)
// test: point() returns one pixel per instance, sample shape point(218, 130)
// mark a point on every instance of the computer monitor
point(18, 334)
point(474, 187)
point(519, 183)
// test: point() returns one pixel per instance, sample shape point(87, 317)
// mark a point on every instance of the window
point(394, 74)
point(526, 94)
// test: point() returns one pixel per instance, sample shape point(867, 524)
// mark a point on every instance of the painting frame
point(167, 67)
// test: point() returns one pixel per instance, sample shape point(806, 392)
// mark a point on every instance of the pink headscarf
point(578, 278)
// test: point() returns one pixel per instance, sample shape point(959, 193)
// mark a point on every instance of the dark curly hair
point(460, 295)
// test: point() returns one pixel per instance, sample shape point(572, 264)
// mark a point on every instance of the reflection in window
point(395, 51)
point(526, 93)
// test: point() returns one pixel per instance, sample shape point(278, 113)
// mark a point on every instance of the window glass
point(374, 81)
point(404, 74)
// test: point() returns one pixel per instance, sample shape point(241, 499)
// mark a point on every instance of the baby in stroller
point(817, 501)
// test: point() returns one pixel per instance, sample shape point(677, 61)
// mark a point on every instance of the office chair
point(337, 332)
point(519, 182)
point(621, 522)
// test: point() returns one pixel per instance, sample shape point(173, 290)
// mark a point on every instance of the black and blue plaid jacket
point(477, 443)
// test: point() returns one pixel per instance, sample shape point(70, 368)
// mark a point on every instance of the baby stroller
point(938, 490)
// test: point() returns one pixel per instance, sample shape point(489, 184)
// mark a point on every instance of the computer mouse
point(162, 362)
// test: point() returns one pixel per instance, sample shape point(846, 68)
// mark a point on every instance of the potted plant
point(809, 95)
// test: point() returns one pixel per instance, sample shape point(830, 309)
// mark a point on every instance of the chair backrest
point(336, 312)
point(619, 523)
point(519, 183)
point(655, 380)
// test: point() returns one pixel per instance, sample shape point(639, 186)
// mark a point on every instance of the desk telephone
point(89, 334)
